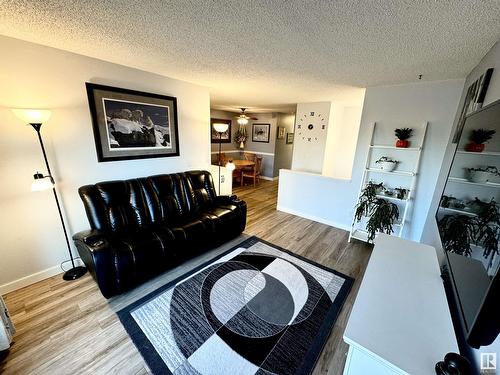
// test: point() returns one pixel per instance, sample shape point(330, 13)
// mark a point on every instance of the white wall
point(31, 239)
point(333, 200)
point(340, 148)
point(308, 155)
point(283, 151)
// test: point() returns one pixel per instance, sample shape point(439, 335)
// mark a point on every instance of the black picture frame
point(474, 99)
point(215, 137)
point(130, 132)
point(289, 138)
point(261, 132)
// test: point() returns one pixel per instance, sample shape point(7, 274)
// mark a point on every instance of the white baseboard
point(33, 278)
point(314, 218)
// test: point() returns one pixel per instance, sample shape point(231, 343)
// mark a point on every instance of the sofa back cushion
point(200, 190)
point(165, 197)
point(131, 204)
point(114, 205)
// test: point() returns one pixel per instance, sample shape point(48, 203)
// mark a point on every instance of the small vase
point(475, 147)
point(402, 143)
point(242, 145)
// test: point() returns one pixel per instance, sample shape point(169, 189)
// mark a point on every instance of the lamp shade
point(41, 182)
point(220, 127)
point(242, 121)
point(32, 116)
point(230, 166)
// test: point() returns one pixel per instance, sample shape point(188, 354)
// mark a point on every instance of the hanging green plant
point(457, 233)
point(382, 214)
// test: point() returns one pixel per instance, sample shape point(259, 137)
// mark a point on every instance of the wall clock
point(311, 127)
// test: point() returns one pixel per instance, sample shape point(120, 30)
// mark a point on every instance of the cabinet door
point(359, 363)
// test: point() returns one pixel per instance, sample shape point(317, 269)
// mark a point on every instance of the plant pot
point(242, 145)
point(480, 177)
point(402, 143)
point(475, 147)
point(387, 166)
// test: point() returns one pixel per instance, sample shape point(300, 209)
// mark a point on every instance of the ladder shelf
point(410, 177)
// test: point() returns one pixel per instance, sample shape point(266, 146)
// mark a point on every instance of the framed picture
point(131, 124)
point(216, 137)
point(281, 132)
point(260, 132)
point(473, 101)
point(289, 138)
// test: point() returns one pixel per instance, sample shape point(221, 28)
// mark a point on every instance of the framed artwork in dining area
point(281, 132)
point(131, 124)
point(218, 137)
point(260, 132)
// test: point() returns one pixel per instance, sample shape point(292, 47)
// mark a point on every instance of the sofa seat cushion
point(138, 255)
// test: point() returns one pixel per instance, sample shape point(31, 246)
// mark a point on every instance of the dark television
point(468, 220)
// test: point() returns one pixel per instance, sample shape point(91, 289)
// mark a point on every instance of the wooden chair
point(222, 159)
point(249, 156)
point(254, 172)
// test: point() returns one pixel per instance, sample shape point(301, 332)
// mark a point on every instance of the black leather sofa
point(142, 227)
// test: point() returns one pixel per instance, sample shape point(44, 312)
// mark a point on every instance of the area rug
point(256, 309)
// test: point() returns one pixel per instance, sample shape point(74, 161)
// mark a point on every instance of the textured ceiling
point(268, 53)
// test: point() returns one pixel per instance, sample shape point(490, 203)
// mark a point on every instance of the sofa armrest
point(228, 199)
point(92, 238)
point(98, 255)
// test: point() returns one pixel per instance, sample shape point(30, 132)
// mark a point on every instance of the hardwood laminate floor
point(70, 328)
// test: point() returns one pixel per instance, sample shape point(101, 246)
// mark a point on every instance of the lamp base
point(74, 273)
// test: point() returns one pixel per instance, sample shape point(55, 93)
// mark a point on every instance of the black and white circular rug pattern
point(258, 309)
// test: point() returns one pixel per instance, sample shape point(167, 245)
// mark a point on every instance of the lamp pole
point(74, 272)
point(220, 143)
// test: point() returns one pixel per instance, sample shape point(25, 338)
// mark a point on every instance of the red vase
point(400, 143)
point(475, 147)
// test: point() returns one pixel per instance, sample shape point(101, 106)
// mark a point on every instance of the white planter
point(387, 166)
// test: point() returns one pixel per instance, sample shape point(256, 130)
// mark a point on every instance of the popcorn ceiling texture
point(268, 53)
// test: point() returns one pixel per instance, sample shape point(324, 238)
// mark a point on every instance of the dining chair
point(249, 156)
point(254, 173)
point(222, 159)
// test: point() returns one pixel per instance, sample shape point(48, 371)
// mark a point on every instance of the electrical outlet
point(222, 179)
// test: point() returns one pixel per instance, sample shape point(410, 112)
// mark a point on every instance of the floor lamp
point(36, 118)
point(221, 128)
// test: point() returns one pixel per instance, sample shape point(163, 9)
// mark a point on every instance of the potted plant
point(387, 164)
point(240, 137)
point(488, 226)
point(447, 200)
point(403, 134)
point(382, 214)
point(457, 233)
point(401, 193)
point(478, 137)
point(482, 175)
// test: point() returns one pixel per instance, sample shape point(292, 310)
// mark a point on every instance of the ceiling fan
point(242, 118)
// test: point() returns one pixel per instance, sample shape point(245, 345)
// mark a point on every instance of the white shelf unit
point(465, 181)
point(360, 233)
point(485, 153)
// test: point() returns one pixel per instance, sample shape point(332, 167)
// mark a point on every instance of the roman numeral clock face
point(311, 127)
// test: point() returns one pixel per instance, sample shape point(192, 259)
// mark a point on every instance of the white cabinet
point(400, 322)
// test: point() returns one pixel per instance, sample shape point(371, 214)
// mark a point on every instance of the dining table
point(240, 164)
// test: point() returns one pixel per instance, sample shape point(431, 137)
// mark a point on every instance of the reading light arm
point(37, 127)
